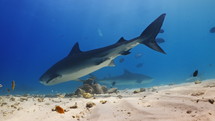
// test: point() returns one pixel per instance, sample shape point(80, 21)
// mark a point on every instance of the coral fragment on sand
point(59, 109)
point(74, 106)
point(103, 101)
point(90, 104)
point(87, 95)
point(199, 93)
point(197, 82)
point(136, 91)
point(211, 101)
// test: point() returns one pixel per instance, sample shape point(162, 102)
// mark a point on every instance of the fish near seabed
point(79, 63)
point(13, 84)
point(195, 73)
point(212, 30)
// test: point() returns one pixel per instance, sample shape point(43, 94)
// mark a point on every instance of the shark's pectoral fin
point(78, 80)
point(100, 61)
point(112, 64)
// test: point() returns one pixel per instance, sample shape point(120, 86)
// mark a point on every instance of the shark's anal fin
point(126, 52)
point(75, 49)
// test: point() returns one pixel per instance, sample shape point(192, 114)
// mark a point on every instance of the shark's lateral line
point(127, 78)
point(78, 63)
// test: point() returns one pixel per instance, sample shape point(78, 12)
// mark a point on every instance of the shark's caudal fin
point(149, 34)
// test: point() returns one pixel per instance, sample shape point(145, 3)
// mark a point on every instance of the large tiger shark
point(78, 63)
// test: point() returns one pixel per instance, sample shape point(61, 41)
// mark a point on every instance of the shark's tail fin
point(149, 34)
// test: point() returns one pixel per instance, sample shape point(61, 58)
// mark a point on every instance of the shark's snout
point(44, 79)
point(43, 82)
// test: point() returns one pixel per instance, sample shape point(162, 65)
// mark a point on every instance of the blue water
point(35, 34)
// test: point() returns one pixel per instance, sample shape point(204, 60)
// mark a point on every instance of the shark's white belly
point(85, 71)
point(89, 69)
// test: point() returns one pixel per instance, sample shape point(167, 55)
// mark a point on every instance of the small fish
point(13, 85)
point(195, 73)
point(159, 40)
point(113, 83)
point(139, 65)
point(1, 85)
point(161, 31)
point(62, 36)
point(138, 55)
point(100, 32)
point(121, 60)
point(210, 65)
point(212, 30)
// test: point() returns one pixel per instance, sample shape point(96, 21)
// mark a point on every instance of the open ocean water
point(35, 34)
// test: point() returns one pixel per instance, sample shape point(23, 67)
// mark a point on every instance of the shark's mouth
point(52, 78)
point(49, 80)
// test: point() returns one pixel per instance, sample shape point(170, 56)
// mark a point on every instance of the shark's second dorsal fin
point(126, 71)
point(75, 49)
point(121, 40)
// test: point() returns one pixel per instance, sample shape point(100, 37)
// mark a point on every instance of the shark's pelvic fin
point(149, 34)
point(112, 64)
point(75, 49)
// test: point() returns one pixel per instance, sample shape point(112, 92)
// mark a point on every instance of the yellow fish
point(13, 85)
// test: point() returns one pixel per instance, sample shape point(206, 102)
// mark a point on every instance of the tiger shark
point(127, 78)
point(81, 63)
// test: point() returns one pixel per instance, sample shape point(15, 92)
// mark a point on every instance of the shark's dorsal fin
point(75, 49)
point(121, 40)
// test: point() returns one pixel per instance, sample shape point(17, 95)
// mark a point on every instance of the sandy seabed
point(182, 102)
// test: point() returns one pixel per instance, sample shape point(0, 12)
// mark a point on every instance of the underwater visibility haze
point(34, 35)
